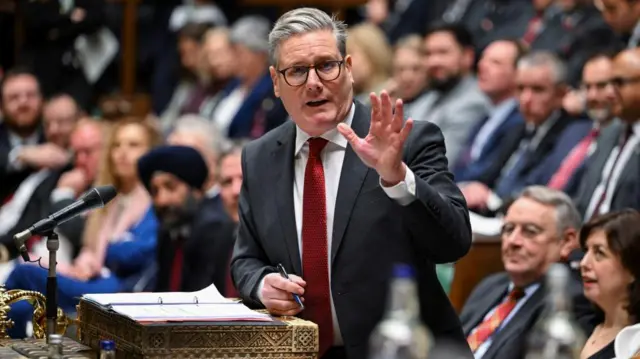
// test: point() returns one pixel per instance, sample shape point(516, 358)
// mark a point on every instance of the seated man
point(540, 228)
point(193, 245)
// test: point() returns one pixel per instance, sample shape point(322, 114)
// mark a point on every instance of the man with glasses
point(340, 194)
point(611, 179)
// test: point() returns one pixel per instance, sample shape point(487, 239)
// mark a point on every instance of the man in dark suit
point(541, 80)
point(194, 242)
point(387, 198)
point(488, 147)
point(612, 178)
point(540, 228)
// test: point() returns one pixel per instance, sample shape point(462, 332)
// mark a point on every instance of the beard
point(444, 84)
point(174, 217)
point(599, 114)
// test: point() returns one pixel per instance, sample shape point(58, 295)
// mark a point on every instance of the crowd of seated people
point(537, 101)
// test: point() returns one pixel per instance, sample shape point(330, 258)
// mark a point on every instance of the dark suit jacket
point(37, 208)
point(509, 342)
point(502, 142)
point(627, 191)
point(371, 231)
point(73, 229)
point(532, 166)
point(207, 250)
point(9, 180)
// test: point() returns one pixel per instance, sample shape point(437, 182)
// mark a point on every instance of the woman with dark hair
point(610, 269)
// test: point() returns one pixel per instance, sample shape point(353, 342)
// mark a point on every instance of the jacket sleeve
point(133, 254)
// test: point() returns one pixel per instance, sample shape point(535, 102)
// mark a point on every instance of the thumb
point(348, 133)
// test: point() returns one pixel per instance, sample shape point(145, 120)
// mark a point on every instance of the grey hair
point(232, 147)
point(301, 21)
point(546, 58)
point(567, 216)
point(199, 126)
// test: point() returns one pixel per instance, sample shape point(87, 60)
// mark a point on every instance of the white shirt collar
point(16, 140)
point(332, 135)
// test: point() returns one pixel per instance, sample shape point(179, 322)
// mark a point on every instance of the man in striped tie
point(540, 228)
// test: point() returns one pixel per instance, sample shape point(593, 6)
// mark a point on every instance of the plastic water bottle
point(107, 349)
point(55, 346)
point(401, 333)
point(556, 335)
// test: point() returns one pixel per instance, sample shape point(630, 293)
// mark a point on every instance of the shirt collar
point(16, 140)
point(332, 135)
point(504, 106)
point(528, 290)
point(213, 191)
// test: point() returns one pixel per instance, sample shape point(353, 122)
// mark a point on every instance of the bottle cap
point(55, 339)
point(107, 345)
point(403, 271)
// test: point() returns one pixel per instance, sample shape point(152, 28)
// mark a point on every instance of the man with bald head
point(612, 176)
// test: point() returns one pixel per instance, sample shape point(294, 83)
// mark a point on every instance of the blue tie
point(508, 182)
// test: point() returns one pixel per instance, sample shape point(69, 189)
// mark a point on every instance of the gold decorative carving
point(38, 301)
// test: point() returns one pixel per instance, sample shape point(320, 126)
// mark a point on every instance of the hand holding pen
point(282, 294)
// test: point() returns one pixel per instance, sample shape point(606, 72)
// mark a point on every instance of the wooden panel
point(483, 259)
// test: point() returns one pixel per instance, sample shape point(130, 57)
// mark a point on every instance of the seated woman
point(119, 240)
point(610, 271)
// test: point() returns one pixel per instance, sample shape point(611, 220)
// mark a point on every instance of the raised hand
point(382, 148)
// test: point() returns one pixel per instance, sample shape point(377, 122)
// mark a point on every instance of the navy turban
point(184, 162)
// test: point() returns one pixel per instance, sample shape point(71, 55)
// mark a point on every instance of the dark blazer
point(9, 180)
point(371, 231)
point(627, 191)
point(37, 208)
point(509, 342)
point(532, 162)
point(502, 142)
point(207, 250)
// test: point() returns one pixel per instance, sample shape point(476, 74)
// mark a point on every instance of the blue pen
point(284, 275)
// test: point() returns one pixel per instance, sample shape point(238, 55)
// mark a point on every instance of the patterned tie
point(486, 328)
point(623, 141)
point(533, 30)
point(575, 158)
point(315, 263)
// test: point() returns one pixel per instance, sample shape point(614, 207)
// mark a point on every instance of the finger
point(281, 305)
point(387, 111)
point(375, 108)
point(289, 312)
point(299, 281)
point(270, 292)
point(398, 116)
point(406, 130)
point(283, 284)
point(348, 133)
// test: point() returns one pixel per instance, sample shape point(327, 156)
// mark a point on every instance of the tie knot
point(594, 132)
point(316, 144)
point(516, 293)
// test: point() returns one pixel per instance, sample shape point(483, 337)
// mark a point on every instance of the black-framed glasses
point(297, 75)
point(598, 85)
point(621, 81)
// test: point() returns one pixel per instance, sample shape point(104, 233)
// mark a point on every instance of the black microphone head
point(106, 193)
point(99, 196)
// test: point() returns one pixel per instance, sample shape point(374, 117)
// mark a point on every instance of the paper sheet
point(190, 312)
point(485, 226)
point(208, 295)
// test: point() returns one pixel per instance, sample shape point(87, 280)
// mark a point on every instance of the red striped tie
point(315, 260)
point(489, 326)
point(572, 161)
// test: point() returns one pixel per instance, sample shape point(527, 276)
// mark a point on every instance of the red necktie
point(572, 161)
point(623, 141)
point(175, 281)
point(230, 289)
point(533, 29)
point(315, 262)
point(489, 325)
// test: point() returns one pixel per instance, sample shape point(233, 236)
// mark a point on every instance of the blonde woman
point(372, 58)
point(119, 240)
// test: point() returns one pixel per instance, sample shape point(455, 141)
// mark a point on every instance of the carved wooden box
point(283, 338)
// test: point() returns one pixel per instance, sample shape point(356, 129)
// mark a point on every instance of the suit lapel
point(352, 177)
point(484, 306)
point(282, 178)
point(629, 174)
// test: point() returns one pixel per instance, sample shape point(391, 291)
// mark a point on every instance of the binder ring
point(195, 300)
point(159, 300)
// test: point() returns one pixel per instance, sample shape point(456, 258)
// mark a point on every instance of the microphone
point(94, 198)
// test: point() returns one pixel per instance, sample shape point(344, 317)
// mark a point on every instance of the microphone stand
point(53, 244)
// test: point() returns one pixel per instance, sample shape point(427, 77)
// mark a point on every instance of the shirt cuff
point(59, 194)
point(259, 291)
point(404, 192)
point(14, 163)
point(494, 202)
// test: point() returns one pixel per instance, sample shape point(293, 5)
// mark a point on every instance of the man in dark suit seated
point(387, 198)
point(540, 228)
point(489, 145)
point(612, 178)
point(541, 81)
point(193, 245)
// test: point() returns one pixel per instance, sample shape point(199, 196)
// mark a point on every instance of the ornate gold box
point(288, 337)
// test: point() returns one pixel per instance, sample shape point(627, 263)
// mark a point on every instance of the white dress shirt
point(614, 173)
point(16, 142)
point(332, 158)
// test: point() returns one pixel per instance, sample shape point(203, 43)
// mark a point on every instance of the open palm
point(382, 148)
